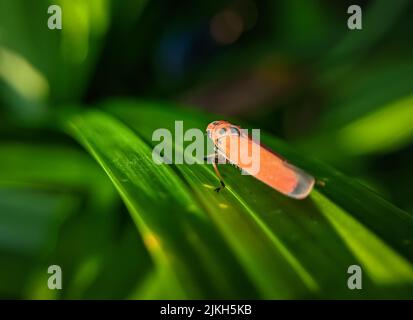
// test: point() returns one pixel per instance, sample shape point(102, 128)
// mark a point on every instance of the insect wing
point(272, 169)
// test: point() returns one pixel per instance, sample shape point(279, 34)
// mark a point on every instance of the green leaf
point(48, 193)
point(369, 113)
point(278, 247)
point(174, 227)
point(376, 132)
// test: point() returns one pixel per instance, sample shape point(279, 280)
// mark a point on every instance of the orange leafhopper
point(273, 170)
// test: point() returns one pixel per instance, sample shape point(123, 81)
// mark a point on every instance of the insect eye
point(222, 131)
point(235, 130)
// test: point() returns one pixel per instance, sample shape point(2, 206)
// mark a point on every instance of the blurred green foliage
point(74, 171)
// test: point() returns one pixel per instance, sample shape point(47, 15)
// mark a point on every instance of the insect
point(273, 170)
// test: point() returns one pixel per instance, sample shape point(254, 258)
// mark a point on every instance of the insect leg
point(214, 164)
point(215, 160)
point(211, 156)
point(222, 184)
